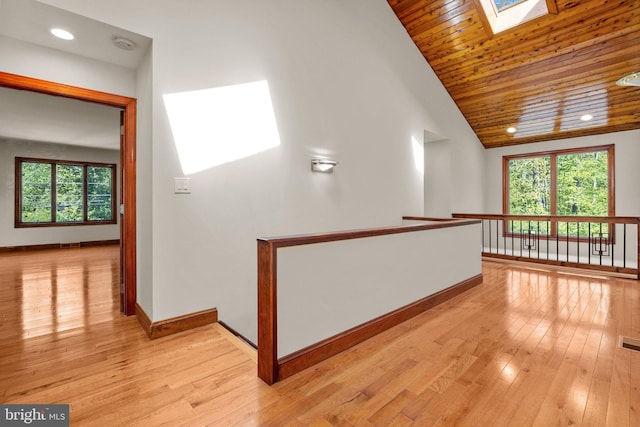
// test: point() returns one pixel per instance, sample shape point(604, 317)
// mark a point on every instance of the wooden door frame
point(128, 163)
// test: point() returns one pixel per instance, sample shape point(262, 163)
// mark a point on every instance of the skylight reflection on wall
point(418, 155)
point(219, 125)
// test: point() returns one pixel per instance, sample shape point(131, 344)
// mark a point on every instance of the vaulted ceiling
point(539, 77)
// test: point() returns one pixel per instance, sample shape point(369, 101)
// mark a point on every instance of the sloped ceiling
point(540, 77)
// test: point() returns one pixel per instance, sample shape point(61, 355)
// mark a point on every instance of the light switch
point(182, 185)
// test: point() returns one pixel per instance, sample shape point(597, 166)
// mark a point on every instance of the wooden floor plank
point(619, 396)
point(634, 398)
point(526, 347)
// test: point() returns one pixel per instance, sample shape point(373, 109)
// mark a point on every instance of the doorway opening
point(127, 208)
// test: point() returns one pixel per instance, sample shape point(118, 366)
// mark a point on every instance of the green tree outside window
point(582, 188)
point(69, 200)
point(99, 194)
point(53, 192)
point(36, 193)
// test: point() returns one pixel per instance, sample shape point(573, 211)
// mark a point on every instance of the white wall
point(327, 288)
point(627, 173)
point(437, 179)
point(345, 80)
point(144, 161)
point(26, 59)
point(10, 236)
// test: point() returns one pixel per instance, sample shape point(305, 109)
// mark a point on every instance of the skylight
point(503, 4)
point(504, 14)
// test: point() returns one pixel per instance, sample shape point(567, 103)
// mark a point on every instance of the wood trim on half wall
point(270, 368)
point(128, 164)
point(175, 324)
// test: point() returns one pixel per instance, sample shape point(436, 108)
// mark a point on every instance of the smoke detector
point(123, 43)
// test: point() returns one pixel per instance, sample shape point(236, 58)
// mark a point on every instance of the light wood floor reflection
point(53, 291)
point(527, 347)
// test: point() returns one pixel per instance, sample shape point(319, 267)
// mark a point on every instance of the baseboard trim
point(143, 319)
point(238, 335)
point(24, 248)
point(175, 324)
point(309, 356)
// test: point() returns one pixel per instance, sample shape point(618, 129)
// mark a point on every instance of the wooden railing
point(436, 287)
point(608, 244)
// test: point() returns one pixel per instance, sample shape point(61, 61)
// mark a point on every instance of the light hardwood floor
point(527, 347)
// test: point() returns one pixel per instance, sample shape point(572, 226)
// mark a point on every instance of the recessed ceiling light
point(511, 130)
point(586, 117)
point(62, 34)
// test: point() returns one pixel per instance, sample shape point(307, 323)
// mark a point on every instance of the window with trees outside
point(503, 4)
point(55, 192)
point(574, 182)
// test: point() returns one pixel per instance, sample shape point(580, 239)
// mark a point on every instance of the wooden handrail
point(308, 239)
point(424, 218)
point(268, 363)
point(554, 218)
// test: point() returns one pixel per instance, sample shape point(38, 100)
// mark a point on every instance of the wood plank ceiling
point(539, 77)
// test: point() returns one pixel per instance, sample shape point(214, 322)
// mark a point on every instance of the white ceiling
point(36, 117)
point(31, 21)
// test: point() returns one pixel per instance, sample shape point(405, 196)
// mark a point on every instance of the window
point(53, 192)
point(577, 182)
point(503, 4)
point(501, 15)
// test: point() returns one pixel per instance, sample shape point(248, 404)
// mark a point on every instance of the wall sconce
point(323, 165)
